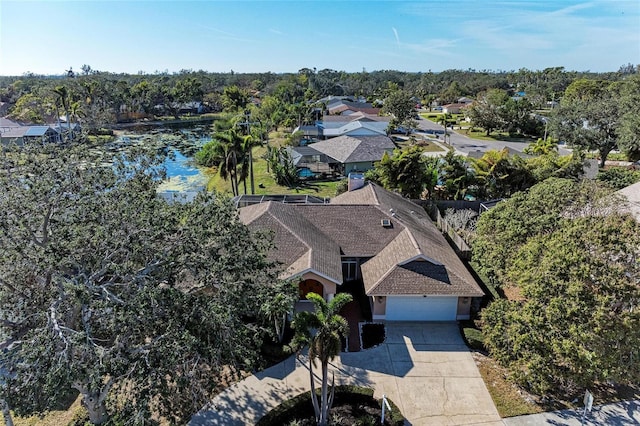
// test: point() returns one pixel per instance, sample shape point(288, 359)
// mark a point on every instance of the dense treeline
point(103, 97)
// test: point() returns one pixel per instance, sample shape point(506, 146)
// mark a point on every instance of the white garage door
point(418, 308)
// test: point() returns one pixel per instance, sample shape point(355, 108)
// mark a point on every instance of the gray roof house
point(306, 157)
point(343, 154)
point(332, 129)
point(14, 132)
point(376, 238)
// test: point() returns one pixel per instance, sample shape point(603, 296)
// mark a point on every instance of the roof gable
point(300, 245)
point(410, 257)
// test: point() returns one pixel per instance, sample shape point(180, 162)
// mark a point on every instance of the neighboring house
point(345, 107)
point(465, 101)
point(453, 108)
point(311, 162)
point(354, 153)
point(309, 131)
point(356, 124)
point(334, 129)
point(13, 132)
point(41, 133)
point(374, 238)
point(632, 194)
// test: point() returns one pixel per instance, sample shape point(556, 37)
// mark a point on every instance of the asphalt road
point(467, 145)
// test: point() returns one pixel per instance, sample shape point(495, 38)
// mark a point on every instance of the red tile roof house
point(386, 242)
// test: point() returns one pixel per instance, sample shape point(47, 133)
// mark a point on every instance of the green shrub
point(473, 337)
point(618, 177)
point(300, 407)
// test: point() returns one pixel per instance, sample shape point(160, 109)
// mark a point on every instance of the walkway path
point(618, 414)
point(425, 368)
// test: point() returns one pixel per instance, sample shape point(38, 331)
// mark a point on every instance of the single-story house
point(347, 107)
point(354, 153)
point(453, 108)
point(333, 129)
point(356, 124)
point(373, 238)
point(14, 132)
point(315, 162)
point(464, 100)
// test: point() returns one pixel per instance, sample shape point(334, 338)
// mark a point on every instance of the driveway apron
point(425, 368)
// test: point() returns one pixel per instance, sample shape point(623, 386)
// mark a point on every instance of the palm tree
point(542, 147)
point(323, 330)
point(62, 95)
point(443, 119)
point(224, 152)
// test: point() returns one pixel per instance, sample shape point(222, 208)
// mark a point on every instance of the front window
point(350, 269)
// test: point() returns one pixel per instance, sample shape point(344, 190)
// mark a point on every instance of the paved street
point(466, 145)
point(618, 414)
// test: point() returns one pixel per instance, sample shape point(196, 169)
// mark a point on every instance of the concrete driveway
point(425, 368)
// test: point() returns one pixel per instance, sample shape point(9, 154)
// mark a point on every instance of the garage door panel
point(417, 308)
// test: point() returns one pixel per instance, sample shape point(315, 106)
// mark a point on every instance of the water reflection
point(180, 144)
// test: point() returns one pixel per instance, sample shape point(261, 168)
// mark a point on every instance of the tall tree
point(500, 175)
point(322, 330)
point(629, 129)
point(234, 99)
point(105, 288)
point(501, 231)
point(402, 107)
point(455, 175)
point(487, 112)
point(590, 121)
point(575, 321)
point(406, 171)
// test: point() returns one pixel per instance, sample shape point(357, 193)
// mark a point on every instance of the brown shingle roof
point(431, 244)
point(411, 257)
point(422, 277)
point(300, 245)
point(357, 229)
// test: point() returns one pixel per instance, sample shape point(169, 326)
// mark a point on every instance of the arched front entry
point(310, 286)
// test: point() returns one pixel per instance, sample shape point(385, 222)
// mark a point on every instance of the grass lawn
point(54, 418)
point(425, 144)
point(508, 399)
point(435, 116)
point(495, 136)
point(320, 189)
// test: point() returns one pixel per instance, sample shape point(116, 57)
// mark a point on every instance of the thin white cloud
point(225, 35)
point(435, 46)
point(395, 33)
point(274, 31)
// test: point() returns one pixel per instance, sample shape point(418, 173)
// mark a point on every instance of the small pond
point(181, 144)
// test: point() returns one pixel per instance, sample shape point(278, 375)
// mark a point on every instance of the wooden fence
point(460, 245)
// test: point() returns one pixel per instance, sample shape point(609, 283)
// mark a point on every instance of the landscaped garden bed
point(353, 405)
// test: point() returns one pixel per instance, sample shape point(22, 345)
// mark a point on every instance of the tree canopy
point(568, 256)
point(406, 171)
point(106, 288)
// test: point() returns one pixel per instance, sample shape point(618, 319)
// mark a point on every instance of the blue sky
point(48, 37)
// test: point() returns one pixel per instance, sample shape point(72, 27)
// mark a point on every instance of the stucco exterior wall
point(329, 286)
